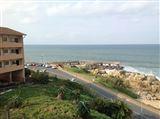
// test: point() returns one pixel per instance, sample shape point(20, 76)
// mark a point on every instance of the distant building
point(11, 56)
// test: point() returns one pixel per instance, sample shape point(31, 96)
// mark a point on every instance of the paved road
point(139, 112)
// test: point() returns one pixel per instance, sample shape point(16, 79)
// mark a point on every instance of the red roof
point(8, 31)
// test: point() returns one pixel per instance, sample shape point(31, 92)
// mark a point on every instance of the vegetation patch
point(109, 82)
point(56, 99)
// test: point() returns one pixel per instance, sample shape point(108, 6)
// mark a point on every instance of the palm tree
point(61, 91)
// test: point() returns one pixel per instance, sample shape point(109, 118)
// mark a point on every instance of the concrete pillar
point(23, 75)
point(10, 77)
point(1, 51)
point(2, 63)
point(10, 63)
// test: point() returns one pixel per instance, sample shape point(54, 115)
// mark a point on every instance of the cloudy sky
point(83, 22)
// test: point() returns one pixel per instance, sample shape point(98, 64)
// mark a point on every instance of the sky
point(83, 22)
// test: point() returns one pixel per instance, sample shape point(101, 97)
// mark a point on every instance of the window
point(14, 62)
point(5, 51)
point(17, 51)
point(6, 63)
point(12, 40)
point(13, 51)
point(17, 62)
point(16, 40)
point(4, 39)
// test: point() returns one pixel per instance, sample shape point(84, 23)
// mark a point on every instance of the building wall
point(11, 58)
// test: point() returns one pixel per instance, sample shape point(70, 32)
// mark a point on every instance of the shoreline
point(126, 67)
point(134, 70)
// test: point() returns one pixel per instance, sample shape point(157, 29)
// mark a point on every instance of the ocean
point(137, 58)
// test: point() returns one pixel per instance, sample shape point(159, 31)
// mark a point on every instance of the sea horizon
point(91, 44)
point(143, 58)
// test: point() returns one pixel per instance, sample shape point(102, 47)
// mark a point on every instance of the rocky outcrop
point(147, 86)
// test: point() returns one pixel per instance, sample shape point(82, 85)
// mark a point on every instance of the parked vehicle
point(40, 65)
point(33, 64)
point(54, 67)
point(48, 66)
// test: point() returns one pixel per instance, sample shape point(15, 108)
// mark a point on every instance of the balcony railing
point(11, 68)
point(11, 45)
point(11, 56)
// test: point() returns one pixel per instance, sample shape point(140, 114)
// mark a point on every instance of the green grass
point(39, 101)
point(102, 81)
point(45, 107)
point(97, 115)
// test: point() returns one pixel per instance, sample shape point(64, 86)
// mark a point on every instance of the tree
point(61, 91)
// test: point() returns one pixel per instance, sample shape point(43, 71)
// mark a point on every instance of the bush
point(75, 94)
point(99, 105)
point(83, 110)
point(115, 109)
point(40, 77)
point(27, 72)
point(121, 110)
point(79, 70)
point(96, 115)
point(117, 82)
point(14, 102)
point(128, 92)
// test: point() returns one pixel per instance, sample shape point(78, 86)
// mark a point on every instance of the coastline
point(126, 67)
point(134, 70)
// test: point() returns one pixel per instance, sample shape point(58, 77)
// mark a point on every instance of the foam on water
point(142, 71)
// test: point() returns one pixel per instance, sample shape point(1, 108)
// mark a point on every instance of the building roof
point(8, 31)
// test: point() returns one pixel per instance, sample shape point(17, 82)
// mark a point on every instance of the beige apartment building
point(11, 56)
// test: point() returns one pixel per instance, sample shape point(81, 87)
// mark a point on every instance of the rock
point(154, 88)
point(151, 78)
point(147, 86)
point(157, 95)
point(122, 72)
point(149, 97)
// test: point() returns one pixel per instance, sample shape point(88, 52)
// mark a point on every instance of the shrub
point(40, 77)
point(27, 72)
point(115, 109)
point(83, 111)
point(75, 95)
point(121, 110)
point(117, 82)
point(14, 102)
point(99, 104)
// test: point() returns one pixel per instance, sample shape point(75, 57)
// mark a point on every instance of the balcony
point(11, 68)
point(11, 45)
point(11, 56)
